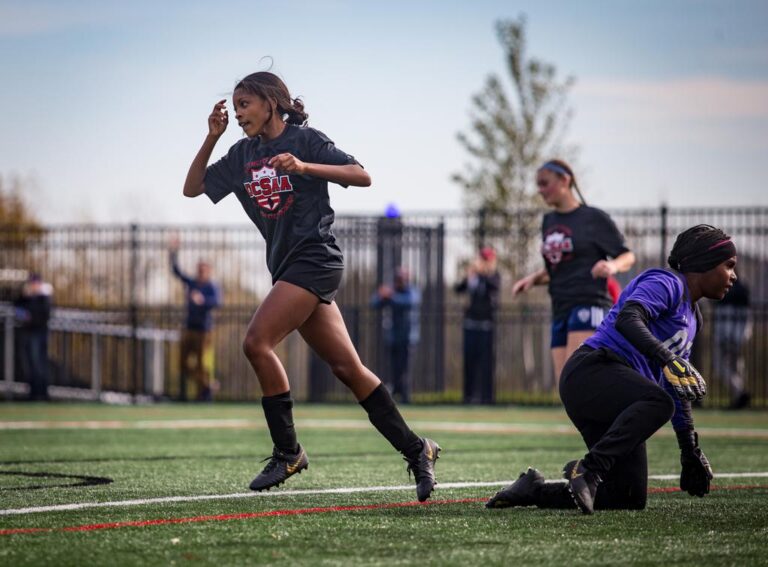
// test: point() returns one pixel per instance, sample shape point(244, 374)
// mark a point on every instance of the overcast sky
point(106, 102)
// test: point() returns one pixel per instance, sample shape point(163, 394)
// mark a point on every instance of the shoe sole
point(266, 488)
point(514, 500)
point(498, 504)
point(431, 490)
point(425, 498)
point(579, 504)
point(576, 500)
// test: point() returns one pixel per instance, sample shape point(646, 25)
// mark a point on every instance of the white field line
point(278, 493)
point(142, 502)
point(717, 475)
point(418, 425)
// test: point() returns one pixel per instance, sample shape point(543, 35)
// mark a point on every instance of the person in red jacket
point(614, 289)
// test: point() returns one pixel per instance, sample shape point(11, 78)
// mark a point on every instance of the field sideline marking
point(288, 512)
point(357, 424)
point(347, 490)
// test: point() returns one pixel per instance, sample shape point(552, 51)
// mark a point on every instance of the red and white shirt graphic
point(266, 186)
point(557, 245)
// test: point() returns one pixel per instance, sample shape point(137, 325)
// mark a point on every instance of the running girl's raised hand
point(219, 118)
point(217, 123)
point(522, 285)
point(603, 269)
point(288, 163)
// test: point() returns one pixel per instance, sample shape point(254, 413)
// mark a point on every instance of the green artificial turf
point(192, 450)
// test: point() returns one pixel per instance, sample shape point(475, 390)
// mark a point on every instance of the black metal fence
point(120, 306)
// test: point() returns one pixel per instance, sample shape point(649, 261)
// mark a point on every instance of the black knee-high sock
point(554, 495)
point(385, 417)
point(279, 413)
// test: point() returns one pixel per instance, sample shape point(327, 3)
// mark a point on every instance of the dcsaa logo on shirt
point(557, 244)
point(266, 186)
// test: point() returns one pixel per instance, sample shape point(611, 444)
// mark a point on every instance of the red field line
point(294, 512)
point(243, 516)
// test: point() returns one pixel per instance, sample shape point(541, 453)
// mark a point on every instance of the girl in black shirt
point(280, 175)
point(582, 248)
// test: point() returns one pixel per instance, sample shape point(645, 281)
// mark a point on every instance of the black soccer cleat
point(523, 492)
point(582, 484)
point(281, 465)
point(423, 468)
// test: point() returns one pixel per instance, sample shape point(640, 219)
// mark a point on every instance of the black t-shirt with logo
point(292, 212)
point(571, 244)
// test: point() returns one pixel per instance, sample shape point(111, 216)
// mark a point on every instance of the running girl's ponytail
point(295, 114)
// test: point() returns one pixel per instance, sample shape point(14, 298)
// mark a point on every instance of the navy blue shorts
point(580, 318)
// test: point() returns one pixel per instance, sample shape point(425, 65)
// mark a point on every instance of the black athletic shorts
point(323, 282)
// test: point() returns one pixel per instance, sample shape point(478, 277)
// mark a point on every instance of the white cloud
point(711, 112)
point(668, 140)
point(699, 97)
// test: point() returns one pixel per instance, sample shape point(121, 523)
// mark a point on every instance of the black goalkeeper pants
point(616, 409)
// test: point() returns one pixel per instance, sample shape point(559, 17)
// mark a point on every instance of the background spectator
point(731, 331)
point(33, 311)
point(482, 283)
point(400, 303)
point(196, 340)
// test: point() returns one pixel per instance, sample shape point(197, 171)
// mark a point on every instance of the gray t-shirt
point(292, 212)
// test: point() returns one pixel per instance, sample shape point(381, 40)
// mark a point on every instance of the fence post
point(441, 308)
point(482, 219)
point(664, 212)
point(157, 387)
point(134, 309)
point(95, 366)
point(8, 355)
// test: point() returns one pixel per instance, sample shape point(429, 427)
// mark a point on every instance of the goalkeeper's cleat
point(281, 465)
point(582, 484)
point(523, 492)
point(423, 468)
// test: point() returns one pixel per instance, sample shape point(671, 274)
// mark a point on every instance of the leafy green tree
point(512, 133)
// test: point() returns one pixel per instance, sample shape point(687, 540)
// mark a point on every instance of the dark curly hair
point(270, 87)
point(691, 244)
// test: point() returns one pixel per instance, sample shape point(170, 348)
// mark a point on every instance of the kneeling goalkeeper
point(633, 375)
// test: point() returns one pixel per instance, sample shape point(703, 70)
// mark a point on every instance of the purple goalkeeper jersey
point(672, 320)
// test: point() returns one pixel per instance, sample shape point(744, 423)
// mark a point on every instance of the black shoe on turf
point(523, 492)
point(281, 465)
point(423, 468)
point(582, 484)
